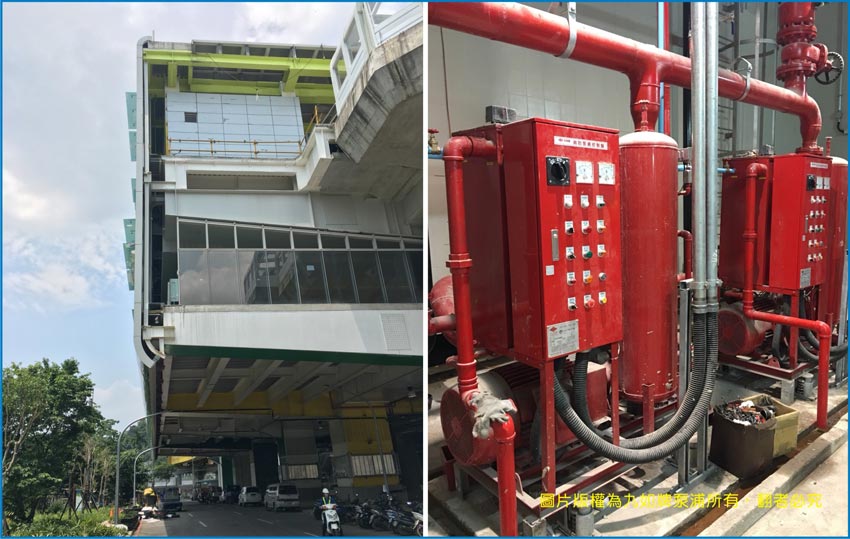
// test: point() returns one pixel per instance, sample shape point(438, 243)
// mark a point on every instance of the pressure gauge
point(584, 172)
point(606, 173)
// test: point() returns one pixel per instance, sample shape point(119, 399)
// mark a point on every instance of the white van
point(282, 496)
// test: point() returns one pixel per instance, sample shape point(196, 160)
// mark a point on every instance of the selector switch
point(571, 278)
point(568, 227)
point(571, 253)
point(585, 201)
point(558, 171)
point(600, 226)
point(568, 201)
point(571, 304)
point(600, 250)
point(600, 201)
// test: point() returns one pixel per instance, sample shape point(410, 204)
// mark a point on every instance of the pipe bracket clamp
point(571, 44)
point(749, 75)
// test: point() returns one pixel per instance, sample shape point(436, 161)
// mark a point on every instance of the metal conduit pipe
point(822, 329)
point(698, 173)
point(712, 183)
point(646, 66)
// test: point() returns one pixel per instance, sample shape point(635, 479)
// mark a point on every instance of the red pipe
point(505, 435)
point(454, 152)
point(667, 121)
point(645, 65)
point(823, 330)
point(689, 252)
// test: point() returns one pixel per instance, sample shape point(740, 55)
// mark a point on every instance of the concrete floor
point(476, 511)
point(829, 480)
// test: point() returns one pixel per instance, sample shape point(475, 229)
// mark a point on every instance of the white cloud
point(122, 400)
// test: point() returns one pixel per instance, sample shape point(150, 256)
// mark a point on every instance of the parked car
point(250, 496)
point(282, 496)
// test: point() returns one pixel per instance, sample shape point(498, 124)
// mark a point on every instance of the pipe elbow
point(756, 169)
point(823, 330)
point(462, 147)
point(504, 432)
point(686, 235)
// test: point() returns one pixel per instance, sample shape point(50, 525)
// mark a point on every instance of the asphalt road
point(230, 519)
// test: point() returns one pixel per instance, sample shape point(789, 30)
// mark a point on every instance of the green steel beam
point(172, 75)
point(293, 355)
point(308, 67)
point(308, 93)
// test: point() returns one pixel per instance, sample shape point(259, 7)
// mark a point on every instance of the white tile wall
point(234, 122)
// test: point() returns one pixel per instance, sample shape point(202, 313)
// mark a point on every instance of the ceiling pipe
point(645, 65)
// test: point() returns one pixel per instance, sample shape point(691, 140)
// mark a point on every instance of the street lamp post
point(118, 459)
point(136, 460)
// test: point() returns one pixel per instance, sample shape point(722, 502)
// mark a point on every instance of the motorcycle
point(331, 520)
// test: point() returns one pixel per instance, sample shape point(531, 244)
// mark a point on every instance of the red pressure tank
point(521, 384)
point(648, 184)
point(830, 304)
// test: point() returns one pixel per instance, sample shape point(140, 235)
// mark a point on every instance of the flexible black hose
point(705, 354)
point(686, 407)
point(776, 342)
point(836, 352)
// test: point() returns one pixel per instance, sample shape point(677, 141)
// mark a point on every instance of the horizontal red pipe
point(645, 65)
point(455, 151)
point(823, 330)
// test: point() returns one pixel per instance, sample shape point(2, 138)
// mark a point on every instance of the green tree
point(48, 409)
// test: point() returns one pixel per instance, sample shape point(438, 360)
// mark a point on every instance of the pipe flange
point(749, 75)
point(571, 17)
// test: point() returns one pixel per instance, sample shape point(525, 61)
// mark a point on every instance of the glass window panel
point(413, 244)
point(333, 242)
point(282, 282)
point(221, 237)
point(388, 244)
point(193, 235)
point(225, 286)
point(360, 243)
point(366, 275)
point(194, 277)
point(249, 238)
point(311, 279)
point(414, 262)
point(305, 241)
point(395, 277)
point(338, 270)
point(254, 270)
point(278, 239)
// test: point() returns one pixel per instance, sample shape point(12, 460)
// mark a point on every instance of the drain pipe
point(824, 332)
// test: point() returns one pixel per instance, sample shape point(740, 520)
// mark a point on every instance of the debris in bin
point(746, 413)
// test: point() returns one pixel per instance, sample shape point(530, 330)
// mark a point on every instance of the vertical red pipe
point(823, 330)
point(688, 252)
point(667, 120)
point(454, 152)
point(505, 435)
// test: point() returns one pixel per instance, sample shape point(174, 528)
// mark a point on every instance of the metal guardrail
point(373, 24)
point(223, 148)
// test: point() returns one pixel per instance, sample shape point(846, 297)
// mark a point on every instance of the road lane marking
point(190, 514)
point(310, 534)
point(266, 521)
point(238, 513)
point(201, 522)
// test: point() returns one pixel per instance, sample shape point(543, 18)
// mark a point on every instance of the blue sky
point(67, 169)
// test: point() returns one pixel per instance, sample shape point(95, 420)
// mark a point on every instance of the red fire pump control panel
point(544, 235)
point(792, 223)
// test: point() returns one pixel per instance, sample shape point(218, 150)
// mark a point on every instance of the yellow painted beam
point(172, 75)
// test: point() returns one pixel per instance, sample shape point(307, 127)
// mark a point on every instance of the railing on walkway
point(373, 24)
